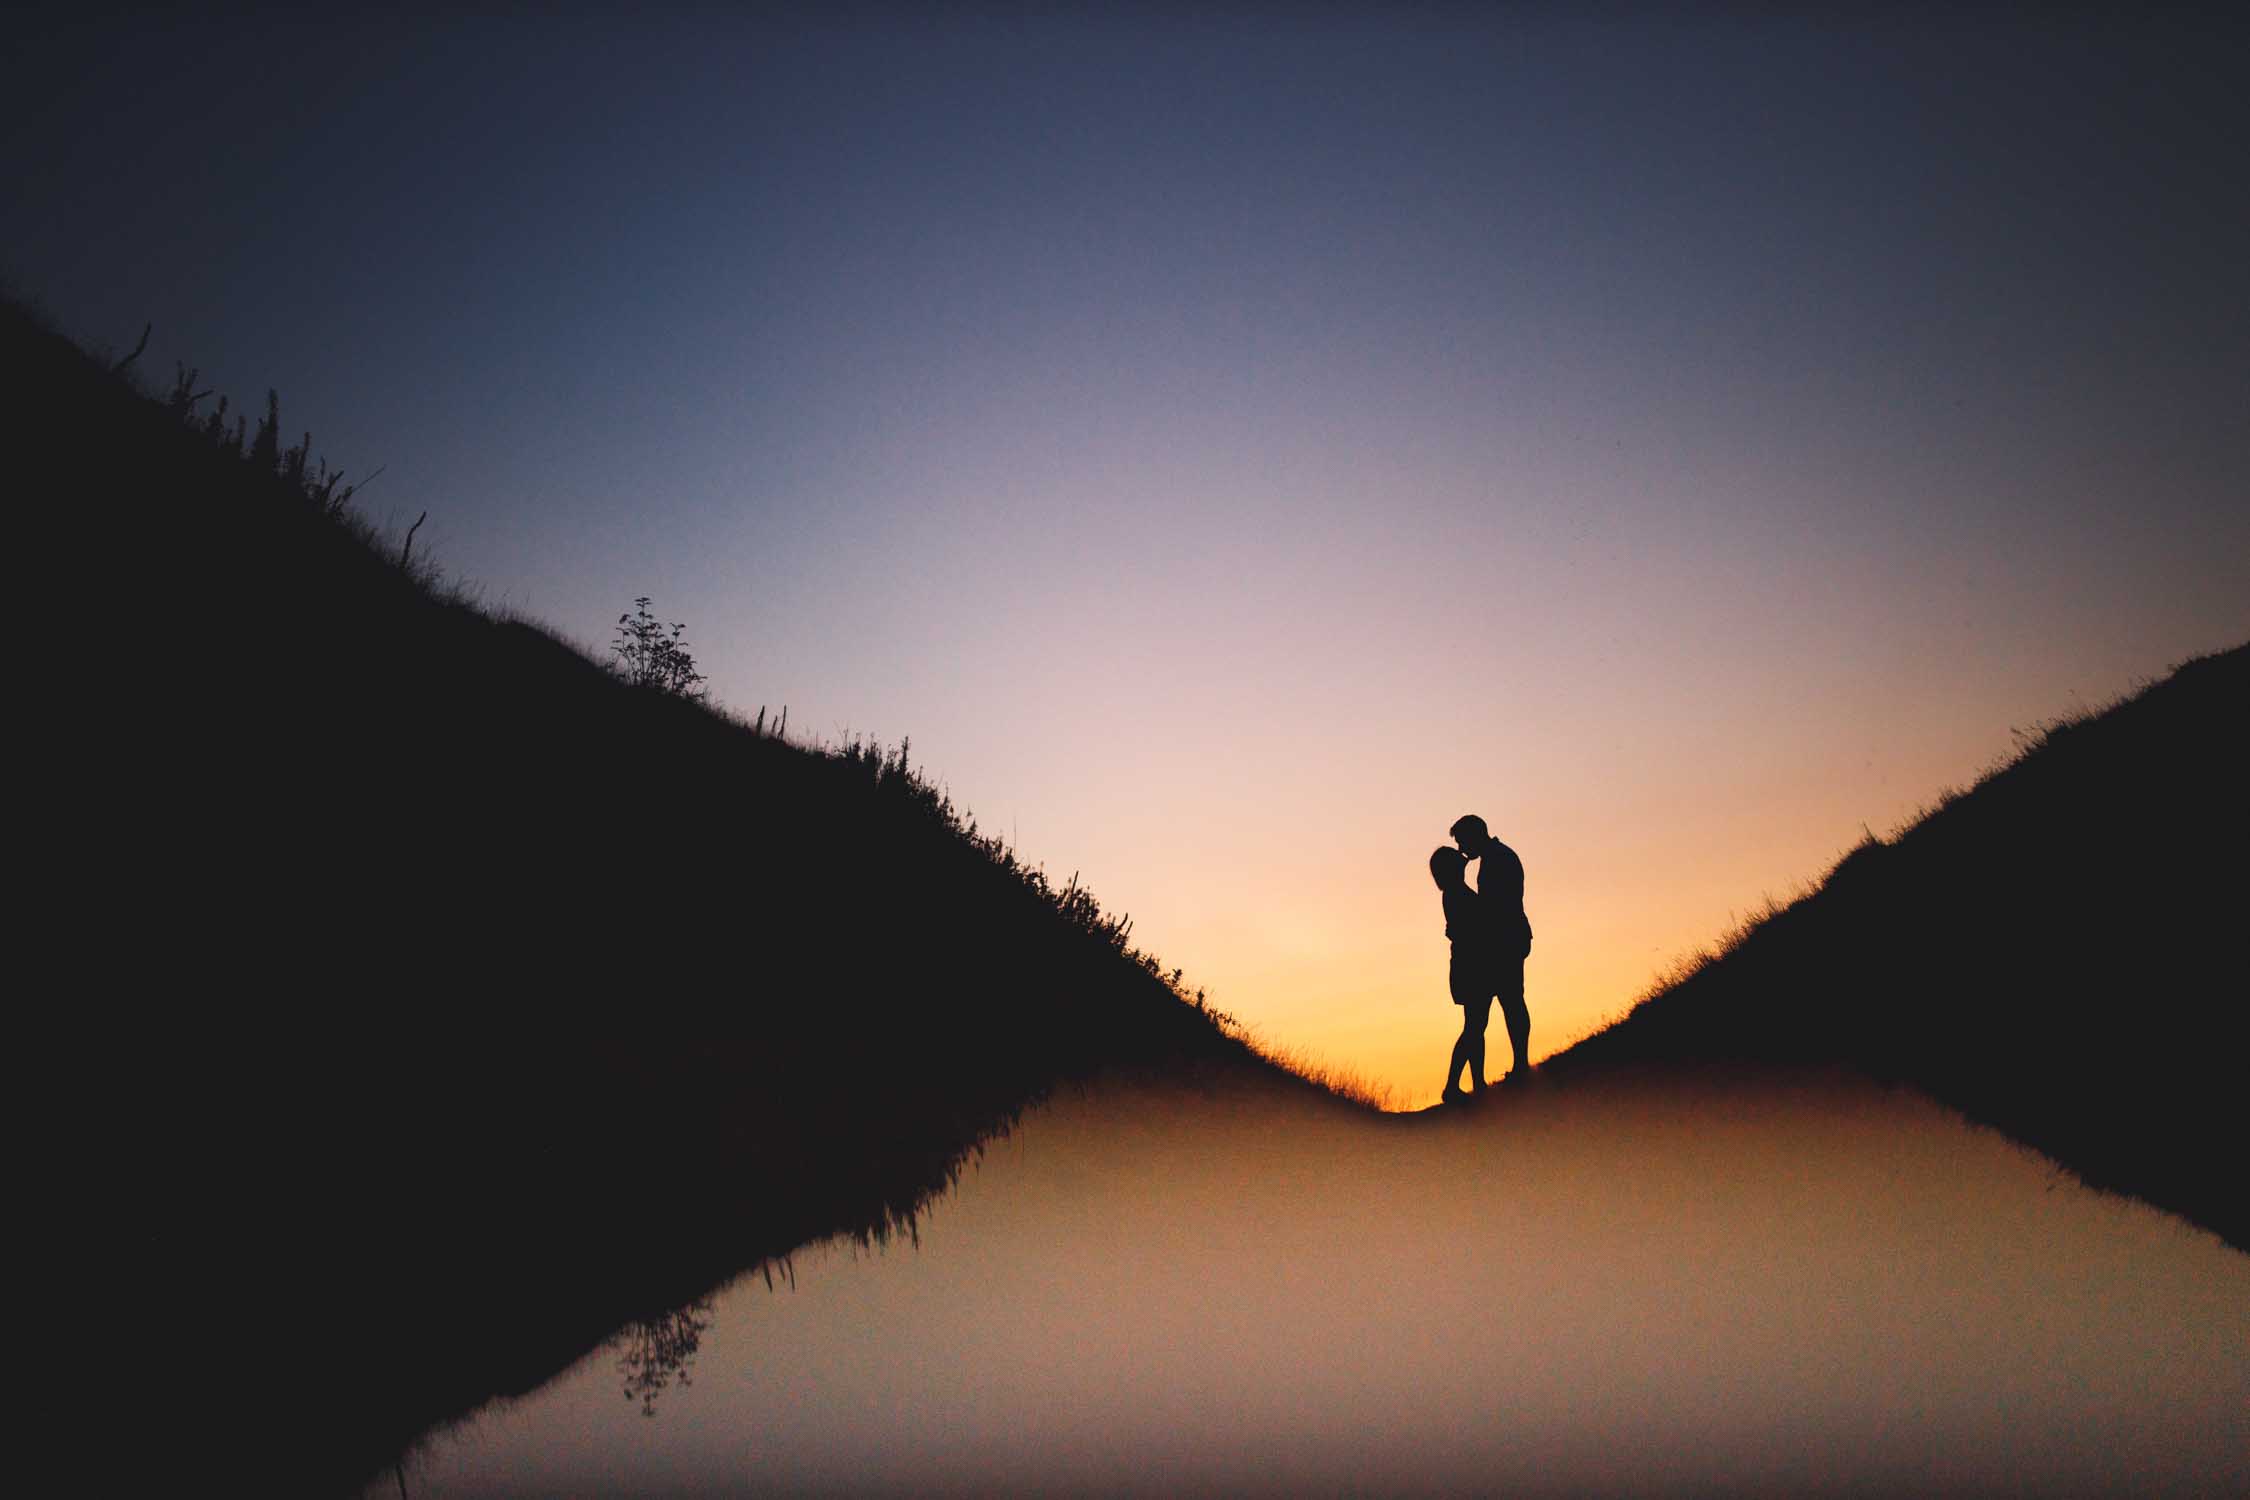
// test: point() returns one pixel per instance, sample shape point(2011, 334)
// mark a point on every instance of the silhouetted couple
point(1491, 939)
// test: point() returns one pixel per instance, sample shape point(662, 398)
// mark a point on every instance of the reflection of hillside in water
point(1815, 1288)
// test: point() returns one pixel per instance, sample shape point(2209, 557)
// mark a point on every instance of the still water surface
point(1815, 1288)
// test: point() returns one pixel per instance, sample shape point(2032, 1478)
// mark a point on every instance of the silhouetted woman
point(1470, 973)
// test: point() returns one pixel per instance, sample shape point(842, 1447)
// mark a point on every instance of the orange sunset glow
point(1291, 886)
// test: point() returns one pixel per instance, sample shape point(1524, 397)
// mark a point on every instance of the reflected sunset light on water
point(1811, 1287)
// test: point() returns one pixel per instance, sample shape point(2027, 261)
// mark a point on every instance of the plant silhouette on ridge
point(650, 654)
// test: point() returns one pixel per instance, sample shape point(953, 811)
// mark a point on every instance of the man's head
point(1449, 869)
point(1471, 835)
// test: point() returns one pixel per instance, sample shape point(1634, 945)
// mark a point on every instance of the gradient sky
point(1232, 446)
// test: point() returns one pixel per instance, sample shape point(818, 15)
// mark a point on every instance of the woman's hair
point(1449, 867)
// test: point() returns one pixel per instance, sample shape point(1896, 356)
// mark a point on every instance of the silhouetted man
point(1500, 903)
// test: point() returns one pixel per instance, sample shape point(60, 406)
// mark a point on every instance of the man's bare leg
point(1518, 1017)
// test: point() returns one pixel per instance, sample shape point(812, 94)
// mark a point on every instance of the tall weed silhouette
point(650, 654)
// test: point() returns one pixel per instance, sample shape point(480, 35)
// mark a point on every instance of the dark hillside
point(442, 1004)
point(2058, 952)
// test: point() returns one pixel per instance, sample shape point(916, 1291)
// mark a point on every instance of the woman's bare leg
point(1469, 1049)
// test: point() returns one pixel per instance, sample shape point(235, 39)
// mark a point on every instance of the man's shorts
point(1475, 977)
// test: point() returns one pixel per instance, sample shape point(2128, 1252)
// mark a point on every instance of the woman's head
point(1449, 868)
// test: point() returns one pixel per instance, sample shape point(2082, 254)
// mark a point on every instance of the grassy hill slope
point(437, 1004)
point(2058, 952)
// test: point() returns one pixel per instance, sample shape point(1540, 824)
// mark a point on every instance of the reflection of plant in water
point(650, 1353)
